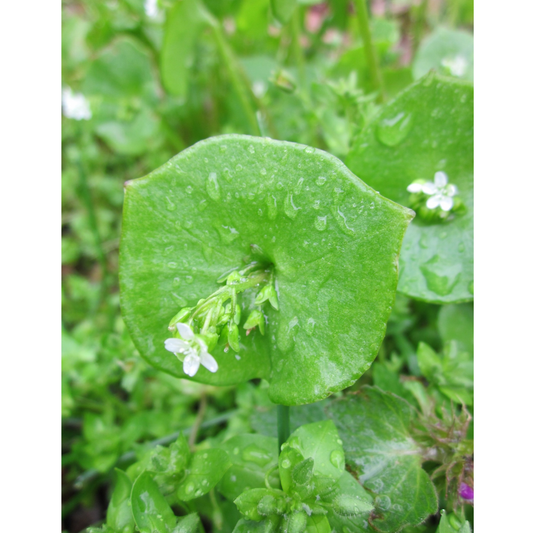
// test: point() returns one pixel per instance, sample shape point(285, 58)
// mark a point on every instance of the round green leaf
point(427, 128)
point(449, 52)
point(333, 243)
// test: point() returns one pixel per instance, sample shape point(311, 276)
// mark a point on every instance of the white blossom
point(193, 349)
point(151, 8)
point(440, 192)
point(456, 65)
point(75, 105)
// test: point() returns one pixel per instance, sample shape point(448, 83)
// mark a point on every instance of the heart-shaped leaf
point(374, 426)
point(331, 241)
point(427, 131)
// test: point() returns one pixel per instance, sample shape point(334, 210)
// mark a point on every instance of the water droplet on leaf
point(213, 187)
point(392, 131)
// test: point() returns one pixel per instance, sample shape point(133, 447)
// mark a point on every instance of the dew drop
point(272, 207)
point(392, 131)
point(189, 488)
point(202, 206)
point(251, 149)
point(279, 185)
point(228, 234)
point(290, 209)
point(212, 186)
point(320, 181)
point(189, 279)
point(298, 188)
point(286, 463)
point(223, 148)
point(178, 225)
point(256, 455)
point(172, 265)
point(238, 168)
point(309, 150)
point(187, 224)
point(176, 282)
point(337, 459)
point(260, 212)
point(189, 189)
point(321, 223)
point(170, 205)
point(263, 171)
point(316, 204)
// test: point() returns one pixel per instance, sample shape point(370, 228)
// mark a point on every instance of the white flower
point(456, 65)
point(151, 9)
point(75, 105)
point(439, 191)
point(194, 350)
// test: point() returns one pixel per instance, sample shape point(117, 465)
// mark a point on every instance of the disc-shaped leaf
point(375, 429)
point(426, 129)
point(448, 52)
point(332, 241)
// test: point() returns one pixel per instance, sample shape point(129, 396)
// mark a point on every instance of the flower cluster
point(197, 330)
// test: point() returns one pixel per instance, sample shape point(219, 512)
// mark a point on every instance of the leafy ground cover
point(293, 268)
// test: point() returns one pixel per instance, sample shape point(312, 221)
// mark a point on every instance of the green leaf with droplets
point(119, 515)
point(332, 241)
point(375, 429)
point(449, 52)
point(252, 456)
point(427, 128)
point(150, 509)
point(203, 472)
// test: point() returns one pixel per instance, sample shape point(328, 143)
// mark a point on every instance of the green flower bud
point(297, 522)
point(182, 316)
point(256, 318)
point(271, 505)
point(267, 293)
point(233, 336)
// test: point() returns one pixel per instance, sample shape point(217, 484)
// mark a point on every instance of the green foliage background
point(156, 85)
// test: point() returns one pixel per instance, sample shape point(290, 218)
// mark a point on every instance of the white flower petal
point(433, 201)
point(176, 345)
point(446, 203)
point(429, 188)
point(415, 187)
point(185, 331)
point(441, 179)
point(191, 364)
point(208, 361)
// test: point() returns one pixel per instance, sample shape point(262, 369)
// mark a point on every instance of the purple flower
point(466, 492)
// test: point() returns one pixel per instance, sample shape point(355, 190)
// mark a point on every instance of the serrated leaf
point(374, 426)
point(203, 472)
point(331, 260)
point(149, 507)
point(252, 456)
point(449, 52)
point(425, 129)
point(119, 515)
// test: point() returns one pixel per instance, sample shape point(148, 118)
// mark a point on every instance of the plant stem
point(420, 19)
point(237, 77)
point(199, 418)
point(370, 51)
point(284, 424)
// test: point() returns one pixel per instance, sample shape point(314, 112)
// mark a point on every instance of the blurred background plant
point(142, 80)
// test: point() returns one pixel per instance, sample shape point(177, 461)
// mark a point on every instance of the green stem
point(284, 424)
point(420, 20)
point(297, 51)
point(370, 51)
point(237, 77)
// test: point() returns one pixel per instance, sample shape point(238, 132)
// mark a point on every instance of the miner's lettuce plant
point(291, 292)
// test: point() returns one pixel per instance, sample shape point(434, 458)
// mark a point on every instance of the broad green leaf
point(318, 524)
point(320, 441)
point(375, 429)
point(449, 52)
point(355, 522)
point(267, 525)
point(289, 458)
point(453, 524)
point(188, 524)
point(252, 456)
point(456, 322)
point(332, 240)
point(203, 472)
point(283, 9)
point(184, 22)
point(119, 515)
point(150, 509)
point(427, 128)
